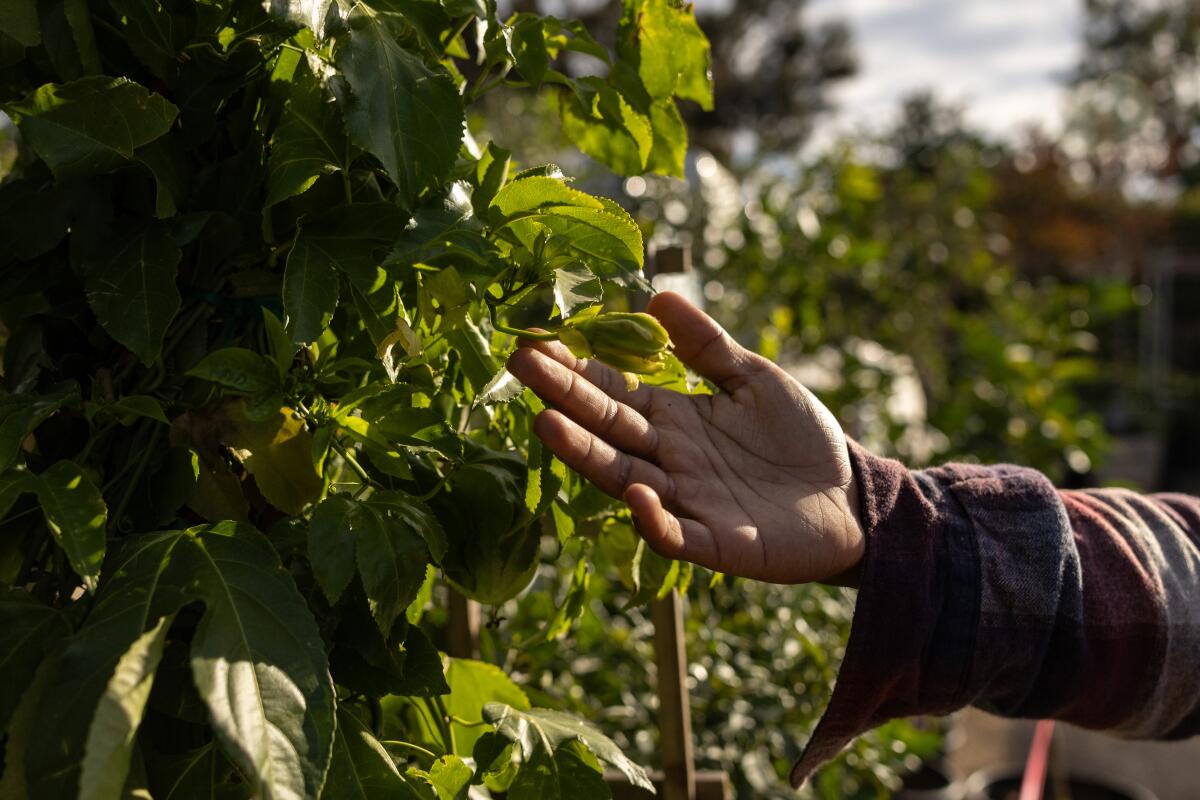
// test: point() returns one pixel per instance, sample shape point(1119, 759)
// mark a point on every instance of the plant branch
point(416, 748)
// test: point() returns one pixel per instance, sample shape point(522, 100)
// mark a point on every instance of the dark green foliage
point(252, 259)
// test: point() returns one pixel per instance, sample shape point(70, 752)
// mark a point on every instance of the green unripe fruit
point(630, 342)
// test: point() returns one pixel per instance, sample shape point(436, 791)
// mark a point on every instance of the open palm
point(754, 481)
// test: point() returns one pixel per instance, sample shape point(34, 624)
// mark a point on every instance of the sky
point(1002, 59)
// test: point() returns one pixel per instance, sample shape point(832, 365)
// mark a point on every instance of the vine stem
point(525, 333)
point(416, 748)
point(466, 723)
point(345, 453)
point(115, 520)
point(437, 709)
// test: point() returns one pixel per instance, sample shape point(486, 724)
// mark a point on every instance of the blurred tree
point(1137, 89)
point(772, 69)
point(884, 271)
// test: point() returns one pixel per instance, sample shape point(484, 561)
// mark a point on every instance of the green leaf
point(502, 388)
point(279, 344)
point(134, 406)
point(391, 561)
point(450, 777)
point(166, 163)
point(310, 140)
point(201, 774)
point(353, 239)
point(576, 287)
point(256, 656)
point(528, 38)
point(607, 240)
point(310, 294)
point(29, 630)
point(424, 675)
point(544, 731)
point(475, 351)
point(361, 768)
point(569, 610)
point(244, 371)
point(418, 516)
point(474, 684)
point(405, 113)
point(579, 772)
point(673, 53)
point(133, 292)
point(491, 172)
point(92, 125)
point(331, 544)
point(76, 515)
point(602, 123)
point(110, 740)
point(277, 451)
point(493, 548)
point(259, 663)
point(14, 783)
point(525, 195)
point(537, 779)
point(670, 139)
point(19, 21)
point(79, 19)
point(13, 484)
point(150, 32)
point(20, 414)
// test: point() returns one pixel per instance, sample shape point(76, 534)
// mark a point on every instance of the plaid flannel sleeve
point(986, 586)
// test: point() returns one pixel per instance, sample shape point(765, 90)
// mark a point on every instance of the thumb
point(702, 344)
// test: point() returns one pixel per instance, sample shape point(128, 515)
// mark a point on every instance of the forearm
point(986, 586)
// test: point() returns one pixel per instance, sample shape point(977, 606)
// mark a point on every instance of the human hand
point(754, 481)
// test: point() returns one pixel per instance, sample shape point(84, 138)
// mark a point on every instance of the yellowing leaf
point(277, 451)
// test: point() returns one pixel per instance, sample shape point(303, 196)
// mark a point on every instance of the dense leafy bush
point(253, 279)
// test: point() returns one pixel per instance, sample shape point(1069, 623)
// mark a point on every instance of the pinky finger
point(669, 535)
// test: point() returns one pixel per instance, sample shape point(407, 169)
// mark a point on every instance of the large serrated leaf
point(310, 140)
point(92, 125)
point(331, 545)
point(259, 663)
point(543, 731)
point(133, 292)
point(76, 515)
point(391, 562)
point(406, 114)
point(525, 195)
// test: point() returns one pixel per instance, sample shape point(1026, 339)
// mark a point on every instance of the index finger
point(604, 377)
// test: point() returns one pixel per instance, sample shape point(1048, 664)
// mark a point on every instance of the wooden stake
point(674, 708)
